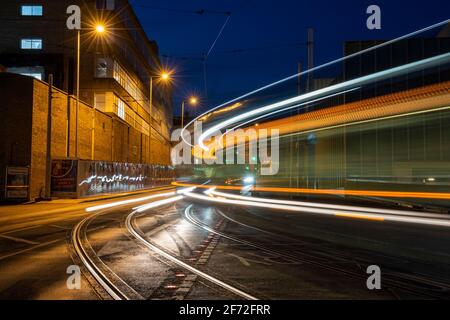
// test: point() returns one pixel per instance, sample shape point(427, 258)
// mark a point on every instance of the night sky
point(268, 36)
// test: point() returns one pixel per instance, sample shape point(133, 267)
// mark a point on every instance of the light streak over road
point(347, 85)
point(124, 202)
point(340, 192)
point(331, 212)
point(439, 24)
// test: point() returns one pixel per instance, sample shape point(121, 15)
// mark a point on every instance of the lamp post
point(78, 91)
point(192, 101)
point(164, 76)
point(98, 29)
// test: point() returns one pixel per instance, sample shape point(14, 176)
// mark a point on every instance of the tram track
point(428, 288)
point(139, 236)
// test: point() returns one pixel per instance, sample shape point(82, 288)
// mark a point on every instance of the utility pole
point(182, 114)
point(297, 138)
point(310, 87)
point(299, 78)
point(68, 126)
point(310, 58)
point(151, 119)
point(48, 166)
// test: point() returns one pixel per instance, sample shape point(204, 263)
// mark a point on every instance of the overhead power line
point(199, 56)
point(184, 11)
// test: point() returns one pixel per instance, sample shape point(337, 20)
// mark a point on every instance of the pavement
point(44, 212)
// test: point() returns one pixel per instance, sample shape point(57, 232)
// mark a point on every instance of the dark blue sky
point(273, 25)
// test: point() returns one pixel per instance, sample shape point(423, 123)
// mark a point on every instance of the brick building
point(115, 120)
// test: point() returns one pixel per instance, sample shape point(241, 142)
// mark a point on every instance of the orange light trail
point(359, 216)
point(361, 193)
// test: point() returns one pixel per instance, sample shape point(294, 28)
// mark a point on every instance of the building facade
point(116, 70)
point(116, 66)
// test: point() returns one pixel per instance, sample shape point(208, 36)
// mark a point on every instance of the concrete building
point(115, 72)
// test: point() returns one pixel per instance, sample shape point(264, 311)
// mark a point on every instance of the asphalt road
point(193, 249)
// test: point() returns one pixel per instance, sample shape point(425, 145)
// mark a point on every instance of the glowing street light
point(165, 76)
point(193, 101)
point(100, 28)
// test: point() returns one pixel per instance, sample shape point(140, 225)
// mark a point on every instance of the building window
point(126, 82)
point(101, 70)
point(31, 44)
point(121, 109)
point(32, 10)
point(105, 4)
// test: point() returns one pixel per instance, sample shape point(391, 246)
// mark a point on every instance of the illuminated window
point(32, 10)
point(121, 76)
point(34, 75)
point(121, 109)
point(31, 44)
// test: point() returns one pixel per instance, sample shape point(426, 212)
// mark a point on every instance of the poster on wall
point(17, 183)
point(64, 178)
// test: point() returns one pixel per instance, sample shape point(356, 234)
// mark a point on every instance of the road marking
point(29, 249)
point(22, 229)
point(19, 239)
point(241, 259)
point(59, 227)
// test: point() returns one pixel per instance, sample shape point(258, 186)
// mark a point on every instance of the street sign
point(64, 178)
point(17, 183)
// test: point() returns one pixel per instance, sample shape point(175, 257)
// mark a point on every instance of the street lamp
point(99, 29)
point(193, 101)
point(164, 76)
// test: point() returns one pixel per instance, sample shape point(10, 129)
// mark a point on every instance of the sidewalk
point(21, 215)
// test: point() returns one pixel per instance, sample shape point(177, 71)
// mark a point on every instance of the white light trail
point(328, 206)
point(157, 204)
point(124, 202)
point(393, 72)
point(331, 212)
point(436, 25)
point(282, 110)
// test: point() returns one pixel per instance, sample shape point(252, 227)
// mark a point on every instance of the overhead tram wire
point(183, 11)
point(197, 12)
point(205, 57)
point(198, 56)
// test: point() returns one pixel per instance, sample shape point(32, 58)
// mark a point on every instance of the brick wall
point(23, 128)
